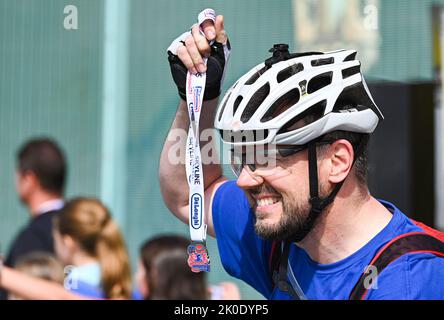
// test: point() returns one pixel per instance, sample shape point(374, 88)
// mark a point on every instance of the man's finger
point(201, 41)
point(194, 53)
point(221, 35)
point(183, 55)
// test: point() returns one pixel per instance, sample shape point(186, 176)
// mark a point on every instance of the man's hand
point(187, 53)
point(197, 45)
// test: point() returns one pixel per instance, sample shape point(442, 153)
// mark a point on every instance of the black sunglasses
point(239, 160)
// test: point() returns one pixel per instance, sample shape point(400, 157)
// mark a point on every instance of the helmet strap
point(318, 204)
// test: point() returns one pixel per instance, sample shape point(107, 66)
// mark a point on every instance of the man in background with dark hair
point(40, 182)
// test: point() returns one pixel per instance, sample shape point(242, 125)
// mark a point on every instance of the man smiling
point(308, 205)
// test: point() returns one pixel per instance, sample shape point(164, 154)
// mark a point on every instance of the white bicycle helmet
point(276, 95)
point(295, 99)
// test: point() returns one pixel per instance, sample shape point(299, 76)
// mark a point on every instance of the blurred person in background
point(90, 245)
point(163, 273)
point(40, 182)
point(41, 265)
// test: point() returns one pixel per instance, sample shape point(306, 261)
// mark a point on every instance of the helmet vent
point(282, 104)
point(322, 62)
point(350, 71)
point(244, 135)
point(236, 104)
point(356, 97)
point(256, 75)
point(353, 97)
point(351, 57)
point(255, 101)
point(319, 82)
point(310, 115)
point(289, 71)
point(223, 106)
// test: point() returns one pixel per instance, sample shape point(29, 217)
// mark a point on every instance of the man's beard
point(296, 222)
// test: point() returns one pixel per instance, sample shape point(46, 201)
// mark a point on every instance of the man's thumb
point(221, 35)
point(208, 28)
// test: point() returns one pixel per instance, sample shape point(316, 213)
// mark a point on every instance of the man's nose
point(247, 180)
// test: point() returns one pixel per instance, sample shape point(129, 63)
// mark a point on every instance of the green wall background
point(51, 84)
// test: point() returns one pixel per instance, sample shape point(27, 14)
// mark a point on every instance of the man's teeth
point(266, 201)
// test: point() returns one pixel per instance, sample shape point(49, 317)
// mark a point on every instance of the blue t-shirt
point(245, 256)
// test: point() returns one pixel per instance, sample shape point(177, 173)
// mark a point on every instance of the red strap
point(413, 242)
point(272, 253)
point(433, 232)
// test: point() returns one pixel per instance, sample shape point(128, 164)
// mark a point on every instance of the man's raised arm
point(186, 53)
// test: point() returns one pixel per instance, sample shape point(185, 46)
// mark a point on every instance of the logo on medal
point(198, 258)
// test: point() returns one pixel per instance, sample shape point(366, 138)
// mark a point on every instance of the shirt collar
point(50, 205)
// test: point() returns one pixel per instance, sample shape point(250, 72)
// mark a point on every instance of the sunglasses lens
point(239, 161)
point(236, 163)
point(285, 152)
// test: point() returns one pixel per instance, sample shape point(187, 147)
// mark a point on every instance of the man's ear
point(341, 159)
point(28, 179)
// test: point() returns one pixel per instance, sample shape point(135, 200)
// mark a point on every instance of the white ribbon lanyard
point(195, 87)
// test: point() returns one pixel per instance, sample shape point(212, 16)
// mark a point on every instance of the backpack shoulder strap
point(273, 261)
point(413, 242)
point(279, 266)
point(433, 232)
